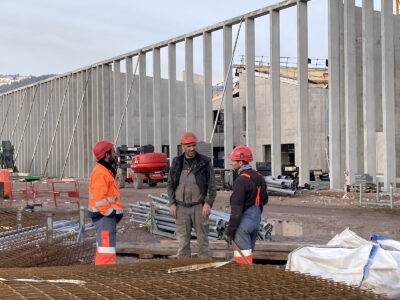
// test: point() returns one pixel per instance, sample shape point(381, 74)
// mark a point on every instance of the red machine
point(148, 168)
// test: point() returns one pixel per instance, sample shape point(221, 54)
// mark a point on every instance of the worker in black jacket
point(247, 201)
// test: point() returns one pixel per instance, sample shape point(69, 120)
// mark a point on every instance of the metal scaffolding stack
point(150, 280)
point(155, 216)
point(26, 242)
point(281, 185)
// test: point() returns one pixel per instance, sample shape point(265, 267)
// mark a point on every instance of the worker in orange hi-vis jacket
point(104, 203)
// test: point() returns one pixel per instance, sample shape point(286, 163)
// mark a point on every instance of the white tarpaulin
point(353, 260)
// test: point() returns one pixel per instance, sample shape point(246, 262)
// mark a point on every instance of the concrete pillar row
point(157, 126)
point(207, 86)
point(276, 159)
point(172, 111)
point(228, 100)
point(251, 115)
point(143, 125)
point(369, 118)
point(350, 89)
point(302, 62)
point(388, 100)
point(189, 89)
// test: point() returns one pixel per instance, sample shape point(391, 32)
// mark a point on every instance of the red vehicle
point(148, 168)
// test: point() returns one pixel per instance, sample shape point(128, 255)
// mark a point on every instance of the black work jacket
point(202, 172)
point(244, 196)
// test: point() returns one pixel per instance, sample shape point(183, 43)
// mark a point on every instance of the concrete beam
point(275, 93)
point(142, 101)
point(251, 115)
point(350, 89)
point(207, 86)
point(190, 107)
point(128, 78)
point(157, 100)
point(302, 62)
point(228, 101)
point(388, 104)
point(172, 128)
point(369, 89)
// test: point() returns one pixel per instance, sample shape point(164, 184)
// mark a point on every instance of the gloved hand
point(228, 239)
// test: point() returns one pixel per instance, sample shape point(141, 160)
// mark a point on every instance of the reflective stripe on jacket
point(103, 192)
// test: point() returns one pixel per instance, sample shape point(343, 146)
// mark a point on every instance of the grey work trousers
point(186, 219)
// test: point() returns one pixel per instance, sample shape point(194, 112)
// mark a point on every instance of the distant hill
point(11, 82)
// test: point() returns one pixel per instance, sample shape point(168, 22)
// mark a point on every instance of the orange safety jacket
point(103, 192)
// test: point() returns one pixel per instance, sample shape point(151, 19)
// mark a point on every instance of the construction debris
point(155, 216)
point(150, 280)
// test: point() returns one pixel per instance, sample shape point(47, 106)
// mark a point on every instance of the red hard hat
point(241, 153)
point(188, 138)
point(101, 147)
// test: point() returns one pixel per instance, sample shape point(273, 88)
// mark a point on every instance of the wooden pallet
point(277, 251)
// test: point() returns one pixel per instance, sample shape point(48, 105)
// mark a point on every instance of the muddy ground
point(309, 216)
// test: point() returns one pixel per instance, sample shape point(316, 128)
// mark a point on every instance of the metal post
point(377, 191)
point(19, 218)
point(81, 236)
point(49, 218)
point(361, 193)
point(391, 194)
point(152, 211)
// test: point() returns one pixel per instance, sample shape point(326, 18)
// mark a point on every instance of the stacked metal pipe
point(281, 185)
point(155, 216)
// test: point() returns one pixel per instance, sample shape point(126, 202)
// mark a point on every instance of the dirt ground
point(311, 216)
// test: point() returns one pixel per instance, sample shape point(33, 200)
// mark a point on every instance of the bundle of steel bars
point(155, 215)
point(281, 185)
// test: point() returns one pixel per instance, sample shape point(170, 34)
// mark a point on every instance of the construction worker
point(191, 190)
point(104, 204)
point(247, 201)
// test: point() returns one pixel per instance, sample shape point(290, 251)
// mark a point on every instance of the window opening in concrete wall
point(287, 152)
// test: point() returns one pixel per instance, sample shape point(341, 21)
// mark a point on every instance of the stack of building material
point(364, 180)
point(155, 216)
point(281, 185)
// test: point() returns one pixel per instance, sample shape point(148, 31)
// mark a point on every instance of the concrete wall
point(289, 121)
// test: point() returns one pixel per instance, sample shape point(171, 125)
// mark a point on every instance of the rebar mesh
point(150, 280)
point(25, 242)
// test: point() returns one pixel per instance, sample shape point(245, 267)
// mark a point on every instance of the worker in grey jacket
point(191, 192)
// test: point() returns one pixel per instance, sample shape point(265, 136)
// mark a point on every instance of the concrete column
point(129, 76)
point(350, 89)
point(250, 87)
point(74, 157)
point(142, 101)
point(89, 121)
point(207, 86)
point(157, 100)
point(100, 105)
point(63, 125)
point(79, 127)
point(56, 112)
point(302, 62)
point(108, 109)
point(71, 118)
point(388, 106)
point(368, 88)
point(275, 93)
point(95, 119)
point(228, 101)
point(173, 134)
point(334, 95)
point(117, 100)
point(190, 107)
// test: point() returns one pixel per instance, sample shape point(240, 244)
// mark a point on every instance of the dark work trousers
point(186, 219)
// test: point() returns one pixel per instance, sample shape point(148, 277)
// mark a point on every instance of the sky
point(57, 36)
